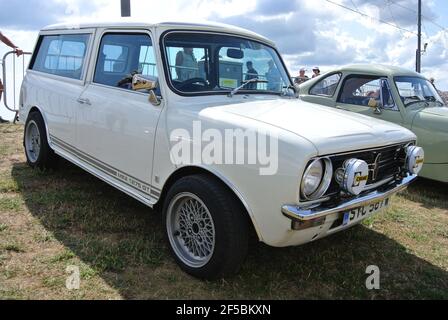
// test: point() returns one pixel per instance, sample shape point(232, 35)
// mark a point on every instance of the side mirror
point(375, 105)
point(140, 82)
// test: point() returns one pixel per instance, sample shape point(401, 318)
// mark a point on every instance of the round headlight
point(317, 179)
point(415, 156)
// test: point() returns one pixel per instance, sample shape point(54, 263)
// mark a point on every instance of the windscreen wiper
point(254, 80)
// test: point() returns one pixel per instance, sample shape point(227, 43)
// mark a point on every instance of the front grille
point(383, 163)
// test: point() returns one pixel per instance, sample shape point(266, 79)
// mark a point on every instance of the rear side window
point(327, 86)
point(61, 55)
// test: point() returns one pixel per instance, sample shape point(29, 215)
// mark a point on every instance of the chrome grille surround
point(386, 165)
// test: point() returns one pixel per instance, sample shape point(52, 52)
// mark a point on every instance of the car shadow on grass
point(432, 194)
point(122, 241)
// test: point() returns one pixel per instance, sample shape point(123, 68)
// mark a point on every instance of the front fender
point(432, 133)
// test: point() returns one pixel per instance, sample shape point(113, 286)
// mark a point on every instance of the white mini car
point(202, 121)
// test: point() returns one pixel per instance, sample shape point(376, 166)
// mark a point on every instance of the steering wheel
point(191, 81)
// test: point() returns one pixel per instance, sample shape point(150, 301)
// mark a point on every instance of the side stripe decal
point(130, 181)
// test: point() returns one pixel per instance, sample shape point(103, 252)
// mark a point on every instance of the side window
point(358, 90)
point(188, 63)
point(122, 55)
point(62, 55)
point(327, 86)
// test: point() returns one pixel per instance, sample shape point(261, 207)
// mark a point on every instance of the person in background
point(273, 77)
point(18, 51)
point(316, 72)
point(251, 74)
point(302, 78)
point(186, 65)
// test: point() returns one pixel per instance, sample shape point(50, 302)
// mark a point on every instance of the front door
point(116, 125)
point(358, 90)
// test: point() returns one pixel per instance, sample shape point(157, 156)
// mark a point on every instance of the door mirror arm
point(154, 99)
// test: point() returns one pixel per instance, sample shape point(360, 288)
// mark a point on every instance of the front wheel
point(206, 227)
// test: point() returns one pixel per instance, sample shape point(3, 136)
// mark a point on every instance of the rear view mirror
point(235, 54)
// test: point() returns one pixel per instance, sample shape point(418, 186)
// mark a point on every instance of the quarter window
point(123, 55)
point(327, 86)
point(62, 55)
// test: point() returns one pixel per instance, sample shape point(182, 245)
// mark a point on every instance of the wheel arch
point(40, 111)
point(196, 170)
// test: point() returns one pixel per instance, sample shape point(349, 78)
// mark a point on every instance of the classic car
point(138, 105)
point(392, 94)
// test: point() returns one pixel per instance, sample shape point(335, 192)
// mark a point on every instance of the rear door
point(116, 125)
point(56, 78)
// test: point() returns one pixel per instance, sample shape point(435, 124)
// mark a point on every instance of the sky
point(308, 33)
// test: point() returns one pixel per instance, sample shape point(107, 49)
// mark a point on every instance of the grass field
point(49, 221)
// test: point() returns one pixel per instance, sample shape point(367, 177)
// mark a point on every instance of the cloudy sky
point(307, 32)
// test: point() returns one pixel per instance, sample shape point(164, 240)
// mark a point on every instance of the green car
point(391, 94)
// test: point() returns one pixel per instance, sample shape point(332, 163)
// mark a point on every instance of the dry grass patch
point(52, 220)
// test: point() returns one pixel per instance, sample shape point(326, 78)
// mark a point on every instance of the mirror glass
point(235, 54)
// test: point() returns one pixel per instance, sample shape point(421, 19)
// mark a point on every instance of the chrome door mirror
point(375, 105)
point(140, 82)
point(147, 83)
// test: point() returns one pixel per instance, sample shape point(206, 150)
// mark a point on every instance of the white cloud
point(307, 32)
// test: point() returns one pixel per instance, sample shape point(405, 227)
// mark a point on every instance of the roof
point(129, 23)
point(377, 70)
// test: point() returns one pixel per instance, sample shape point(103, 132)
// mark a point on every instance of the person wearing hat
point(316, 71)
point(302, 77)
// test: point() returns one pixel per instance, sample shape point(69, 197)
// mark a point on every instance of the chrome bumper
point(296, 212)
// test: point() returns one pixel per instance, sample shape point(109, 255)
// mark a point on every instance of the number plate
point(359, 214)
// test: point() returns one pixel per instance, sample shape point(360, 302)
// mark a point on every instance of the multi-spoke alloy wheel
point(191, 230)
point(206, 227)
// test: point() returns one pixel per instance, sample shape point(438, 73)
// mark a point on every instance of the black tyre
point(206, 227)
point(38, 152)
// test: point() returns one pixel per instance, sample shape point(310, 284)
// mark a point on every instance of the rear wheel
point(206, 227)
point(38, 152)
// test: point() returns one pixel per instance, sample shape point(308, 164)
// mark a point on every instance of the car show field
point(59, 219)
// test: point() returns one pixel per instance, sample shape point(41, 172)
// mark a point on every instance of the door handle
point(84, 101)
